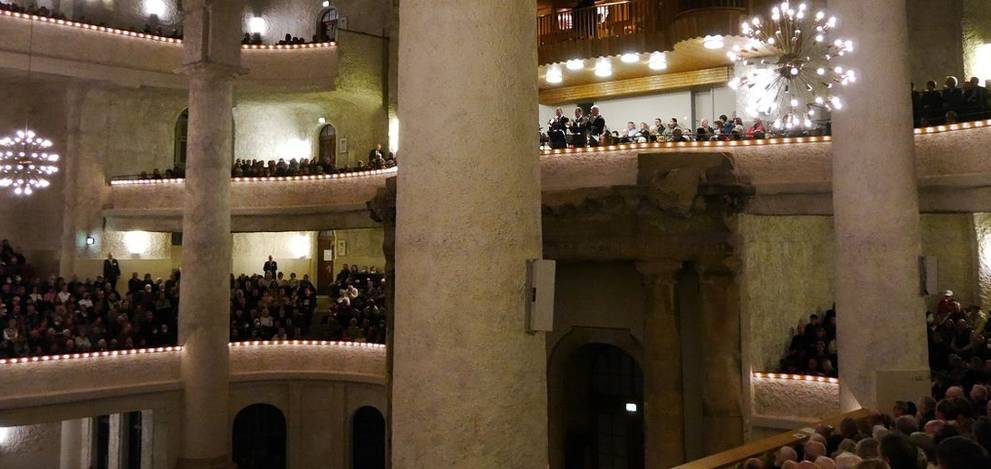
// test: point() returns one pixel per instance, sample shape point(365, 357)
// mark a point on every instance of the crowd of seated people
point(152, 28)
point(958, 338)
point(953, 433)
point(953, 103)
point(357, 311)
point(56, 316)
point(812, 349)
point(591, 130)
point(255, 39)
point(280, 168)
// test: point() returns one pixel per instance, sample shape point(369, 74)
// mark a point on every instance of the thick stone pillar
point(722, 399)
point(664, 416)
point(74, 450)
point(469, 384)
point(211, 58)
point(880, 312)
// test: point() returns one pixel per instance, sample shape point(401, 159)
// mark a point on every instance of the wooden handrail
point(760, 447)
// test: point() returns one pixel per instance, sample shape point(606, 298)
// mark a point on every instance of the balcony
point(84, 51)
point(633, 25)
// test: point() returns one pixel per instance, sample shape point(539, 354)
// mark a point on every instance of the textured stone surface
point(982, 229)
point(467, 393)
point(30, 447)
point(876, 206)
point(794, 399)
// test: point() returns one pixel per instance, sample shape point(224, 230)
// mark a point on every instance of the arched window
point(328, 145)
point(327, 26)
point(259, 438)
point(181, 137)
point(368, 439)
point(605, 409)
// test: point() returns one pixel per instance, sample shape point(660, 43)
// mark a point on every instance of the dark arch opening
point(368, 439)
point(259, 438)
point(604, 427)
point(327, 24)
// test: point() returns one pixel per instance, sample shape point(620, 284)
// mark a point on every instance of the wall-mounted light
point(631, 407)
point(299, 246)
point(322, 120)
point(713, 42)
point(658, 61)
point(90, 240)
point(630, 58)
point(155, 8)
point(603, 68)
point(554, 75)
point(394, 134)
point(326, 3)
point(257, 25)
point(137, 242)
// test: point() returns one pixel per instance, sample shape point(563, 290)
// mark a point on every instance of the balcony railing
point(603, 29)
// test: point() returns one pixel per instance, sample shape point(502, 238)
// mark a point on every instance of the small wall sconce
point(90, 240)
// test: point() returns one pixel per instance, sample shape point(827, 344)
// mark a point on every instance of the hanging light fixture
point(794, 71)
point(25, 162)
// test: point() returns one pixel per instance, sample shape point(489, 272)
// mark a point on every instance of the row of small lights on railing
point(315, 177)
point(152, 37)
point(817, 379)
point(770, 141)
point(178, 348)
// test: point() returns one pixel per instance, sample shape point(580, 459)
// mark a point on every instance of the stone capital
point(659, 271)
point(211, 71)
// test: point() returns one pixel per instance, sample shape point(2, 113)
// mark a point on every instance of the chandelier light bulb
point(554, 75)
point(791, 63)
point(25, 164)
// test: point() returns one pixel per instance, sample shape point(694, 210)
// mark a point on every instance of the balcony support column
point(467, 393)
point(881, 332)
point(211, 58)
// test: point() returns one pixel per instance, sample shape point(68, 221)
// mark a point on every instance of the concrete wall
point(788, 273)
point(935, 40)
point(976, 32)
point(30, 446)
point(364, 248)
point(982, 229)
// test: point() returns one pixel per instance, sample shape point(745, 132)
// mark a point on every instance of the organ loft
point(369, 234)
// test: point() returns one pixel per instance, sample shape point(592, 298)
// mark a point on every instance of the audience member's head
point(868, 448)
point(899, 452)
point(846, 460)
point(961, 453)
point(906, 424)
point(814, 449)
point(785, 454)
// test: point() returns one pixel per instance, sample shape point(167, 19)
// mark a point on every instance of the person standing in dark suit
point(375, 155)
point(596, 127)
point(111, 270)
point(579, 129)
point(556, 128)
point(271, 267)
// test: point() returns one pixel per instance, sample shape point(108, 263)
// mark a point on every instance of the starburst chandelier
point(792, 72)
point(26, 162)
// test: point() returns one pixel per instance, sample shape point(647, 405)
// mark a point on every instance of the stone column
point(469, 384)
point(880, 312)
point(211, 57)
point(722, 398)
point(74, 451)
point(664, 417)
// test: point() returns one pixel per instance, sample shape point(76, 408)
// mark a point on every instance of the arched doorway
point(368, 439)
point(604, 427)
point(259, 438)
point(327, 27)
point(180, 139)
point(328, 145)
